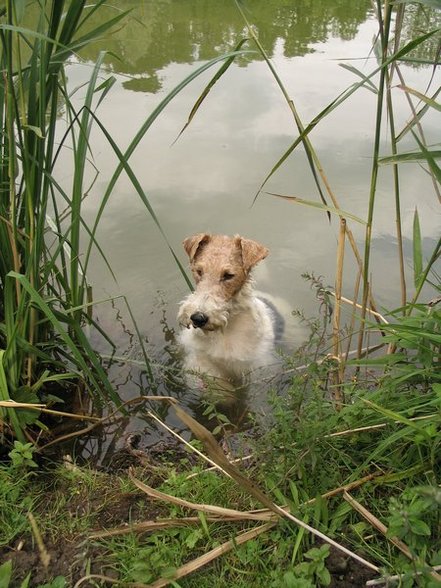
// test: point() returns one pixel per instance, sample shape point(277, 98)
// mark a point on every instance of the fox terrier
point(229, 331)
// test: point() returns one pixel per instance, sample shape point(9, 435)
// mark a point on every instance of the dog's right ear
point(194, 243)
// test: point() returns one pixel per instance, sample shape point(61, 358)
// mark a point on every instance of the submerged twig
point(101, 420)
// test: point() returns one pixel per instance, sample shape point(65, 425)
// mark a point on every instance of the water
point(207, 180)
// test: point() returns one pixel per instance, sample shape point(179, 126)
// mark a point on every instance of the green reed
point(390, 52)
point(45, 297)
point(43, 288)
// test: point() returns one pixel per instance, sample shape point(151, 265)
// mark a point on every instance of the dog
point(227, 330)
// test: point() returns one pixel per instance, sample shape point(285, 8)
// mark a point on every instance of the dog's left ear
point(252, 252)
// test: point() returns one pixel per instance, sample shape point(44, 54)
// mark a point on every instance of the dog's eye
point(199, 272)
point(227, 276)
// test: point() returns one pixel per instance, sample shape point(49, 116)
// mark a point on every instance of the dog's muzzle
point(199, 320)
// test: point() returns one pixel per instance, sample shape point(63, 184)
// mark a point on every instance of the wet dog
point(228, 331)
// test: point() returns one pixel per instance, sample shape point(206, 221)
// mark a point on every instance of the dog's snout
point(199, 319)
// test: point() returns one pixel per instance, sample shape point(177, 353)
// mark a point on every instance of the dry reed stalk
point(387, 579)
point(186, 443)
point(45, 557)
point(218, 456)
point(346, 487)
point(208, 508)
point(145, 526)
point(353, 313)
point(365, 351)
point(108, 580)
point(373, 427)
point(203, 560)
point(214, 468)
point(102, 420)
point(263, 514)
point(374, 313)
point(42, 408)
point(381, 527)
point(338, 374)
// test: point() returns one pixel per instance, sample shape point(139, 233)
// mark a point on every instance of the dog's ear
point(192, 244)
point(252, 252)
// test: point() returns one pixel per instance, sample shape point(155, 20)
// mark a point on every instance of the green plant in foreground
point(6, 575)
point(42, 288)
point(21, 456)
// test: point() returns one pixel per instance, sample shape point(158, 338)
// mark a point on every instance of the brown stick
point(338, 373)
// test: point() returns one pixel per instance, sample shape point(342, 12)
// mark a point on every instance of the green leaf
point(341, 98)
point(4, 395)
point(168, 572)
point(211, 83)
point(5, 574)
point(419, 527)
point(26, 581)
point(430, 157)
point(417, 250)
point(297, 200)
point(409, 157)
point(35, 130)
point(369, 84)
point(422, 97)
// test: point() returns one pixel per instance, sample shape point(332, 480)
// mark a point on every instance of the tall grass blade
point(210, 84)
point(429, 101)
point(369, 85)
point(434, 168)
point(436, 254)
point(410, 157)
point(124, 157)
point(417, 115)
point(341, 98)
point(313, 161)
point(319, 205)
point(417, 250)
point(4, 396)
point(78, 353)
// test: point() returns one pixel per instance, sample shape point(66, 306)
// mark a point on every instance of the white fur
point(241, 338)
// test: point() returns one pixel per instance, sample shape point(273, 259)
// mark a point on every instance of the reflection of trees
point(157, 33)
point(182, 31)
point(418, 20)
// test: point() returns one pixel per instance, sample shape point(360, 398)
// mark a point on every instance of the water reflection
point(160, 33)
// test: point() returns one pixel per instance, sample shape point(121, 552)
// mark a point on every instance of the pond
point(207, 179)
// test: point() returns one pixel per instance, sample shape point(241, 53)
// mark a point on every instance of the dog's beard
point(216, 309)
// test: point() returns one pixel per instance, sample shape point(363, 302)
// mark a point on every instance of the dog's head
point(221, 267)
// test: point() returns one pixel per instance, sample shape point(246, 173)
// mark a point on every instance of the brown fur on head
point(222, 264)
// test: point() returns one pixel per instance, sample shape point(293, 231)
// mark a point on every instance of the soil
point(346, 572)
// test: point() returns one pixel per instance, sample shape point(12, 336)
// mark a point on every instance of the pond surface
point(207, 180)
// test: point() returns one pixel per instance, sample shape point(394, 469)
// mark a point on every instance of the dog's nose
point(199, 319)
